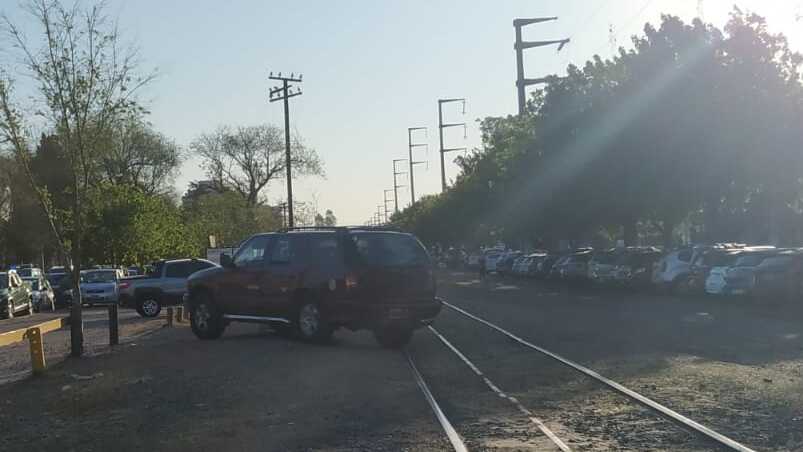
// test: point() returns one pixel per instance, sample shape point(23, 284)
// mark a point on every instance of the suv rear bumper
point(412, 314)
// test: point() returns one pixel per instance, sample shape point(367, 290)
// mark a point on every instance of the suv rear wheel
point(205, 318)
point(310, 323)
point(393, 337)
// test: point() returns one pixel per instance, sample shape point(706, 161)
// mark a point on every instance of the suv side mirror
point(225, 261)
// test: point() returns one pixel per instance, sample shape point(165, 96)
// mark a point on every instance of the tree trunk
point(76, 316)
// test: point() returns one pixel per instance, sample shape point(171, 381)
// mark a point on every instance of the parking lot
point(730, 366)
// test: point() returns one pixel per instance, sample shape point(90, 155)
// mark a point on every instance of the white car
point(42, 295)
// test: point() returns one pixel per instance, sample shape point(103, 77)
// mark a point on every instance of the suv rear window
point(385, 249)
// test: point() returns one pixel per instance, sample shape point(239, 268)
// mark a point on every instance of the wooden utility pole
point(285, 92)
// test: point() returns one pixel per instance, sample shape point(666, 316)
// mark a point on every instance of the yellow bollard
point(34, 336)
point(169, 316)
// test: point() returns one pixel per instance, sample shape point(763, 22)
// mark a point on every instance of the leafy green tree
point(228, 217)
point(127, 226)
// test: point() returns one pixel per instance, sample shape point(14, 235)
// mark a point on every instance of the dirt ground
point(734, 367)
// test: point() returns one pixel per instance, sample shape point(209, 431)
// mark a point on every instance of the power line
point(396, 185)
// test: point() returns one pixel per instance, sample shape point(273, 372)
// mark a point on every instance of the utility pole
point(285, 92)
point(442, 126)
point(379, 214)
point(519, 46)
point(410, 146)
point(396, 185)
point(385, 198)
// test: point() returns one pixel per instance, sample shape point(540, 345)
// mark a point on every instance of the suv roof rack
point(340, 228)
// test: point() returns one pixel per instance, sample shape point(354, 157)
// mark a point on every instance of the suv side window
point(283, 250)
point(324, 250)
point(252, 252)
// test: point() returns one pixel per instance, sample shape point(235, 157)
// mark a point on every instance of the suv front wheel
point(310, 323)
point(206, 320)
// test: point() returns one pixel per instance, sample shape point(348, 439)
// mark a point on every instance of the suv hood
point(206, 273)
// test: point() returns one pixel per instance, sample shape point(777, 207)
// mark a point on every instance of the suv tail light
point(123, 285)
point(351, 281)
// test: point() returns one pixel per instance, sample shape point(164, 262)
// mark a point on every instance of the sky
point(371, 70)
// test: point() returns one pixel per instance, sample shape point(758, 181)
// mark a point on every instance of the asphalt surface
point(15, 362)
point(733, 366)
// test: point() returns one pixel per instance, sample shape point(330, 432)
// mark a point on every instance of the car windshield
point(100, 276)
point(24, 272)
point(389, 249)
point(605, 258)
point(55, 278)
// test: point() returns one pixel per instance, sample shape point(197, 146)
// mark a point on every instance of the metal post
point(114, 325)
point(442, 126)
point(387, 200)
point(519, 70)
point(34, 336)
point(410, 146)
point(519, 46)
point(396, 185)
point(440, 135)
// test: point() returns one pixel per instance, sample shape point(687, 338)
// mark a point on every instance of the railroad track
point(688, 424)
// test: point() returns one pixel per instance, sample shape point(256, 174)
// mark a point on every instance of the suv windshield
point(98, 277)
point(389, 249)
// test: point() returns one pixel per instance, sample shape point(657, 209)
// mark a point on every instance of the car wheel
point(393, 337)
point(310, 324)
point(149, 306)
point(206, 320)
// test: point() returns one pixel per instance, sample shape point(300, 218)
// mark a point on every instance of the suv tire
point(310, 324)
point(393, 337)
point(149, 305)
point(206, 320)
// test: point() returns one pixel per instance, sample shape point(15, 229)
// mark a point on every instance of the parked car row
point(730, 269)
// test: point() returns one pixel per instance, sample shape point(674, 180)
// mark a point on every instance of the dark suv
point(309, 282)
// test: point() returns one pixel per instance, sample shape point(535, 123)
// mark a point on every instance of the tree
point(140, 157)
point(227, 216)
point(247, 159)
point(86, 81)
point(328, 219)
point(127, 226)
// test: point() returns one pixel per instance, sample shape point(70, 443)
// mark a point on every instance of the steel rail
point(633, 395)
